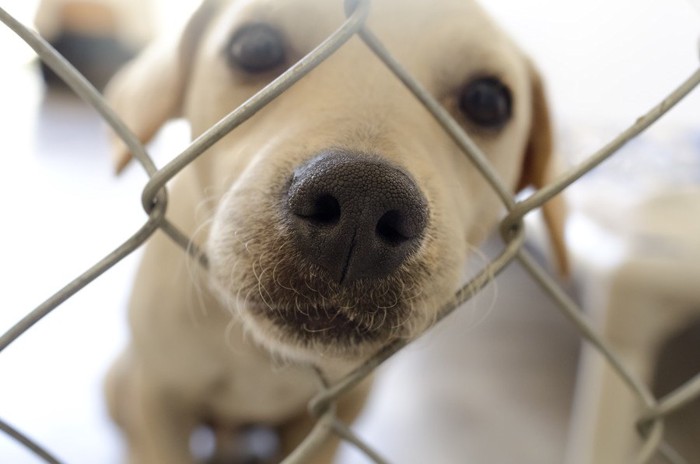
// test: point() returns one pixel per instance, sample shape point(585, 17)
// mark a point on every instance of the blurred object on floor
point(634, 234)
point(675, 365)
point(96, 36)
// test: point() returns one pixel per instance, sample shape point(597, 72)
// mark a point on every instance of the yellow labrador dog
point(337, 219)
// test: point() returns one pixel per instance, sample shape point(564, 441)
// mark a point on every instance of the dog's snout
point(356, 216)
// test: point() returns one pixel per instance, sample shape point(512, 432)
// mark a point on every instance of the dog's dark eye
point(487, 103)
point(256, 48)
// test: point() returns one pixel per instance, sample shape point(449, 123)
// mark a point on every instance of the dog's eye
point(256, 48)
point(486, 102)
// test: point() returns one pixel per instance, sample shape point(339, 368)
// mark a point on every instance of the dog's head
point(345, 212)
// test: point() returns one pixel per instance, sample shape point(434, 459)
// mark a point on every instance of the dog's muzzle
point(356, 216)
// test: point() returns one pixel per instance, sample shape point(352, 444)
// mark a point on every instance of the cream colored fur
point(198, 351)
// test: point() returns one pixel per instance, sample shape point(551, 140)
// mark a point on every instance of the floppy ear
point(149, 91)
point(539, 168)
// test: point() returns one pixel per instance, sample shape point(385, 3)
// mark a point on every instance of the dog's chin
point(315, 335)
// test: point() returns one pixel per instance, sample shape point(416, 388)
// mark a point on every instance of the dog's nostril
point(326, 211)
point(391, 228)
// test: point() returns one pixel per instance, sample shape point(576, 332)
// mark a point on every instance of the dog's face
point(345, 213)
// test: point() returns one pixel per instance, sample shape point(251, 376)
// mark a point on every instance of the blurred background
point(605, 62)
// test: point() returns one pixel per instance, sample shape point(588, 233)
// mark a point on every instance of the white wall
point(608, 60)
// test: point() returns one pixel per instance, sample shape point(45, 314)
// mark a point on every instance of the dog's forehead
point(390, 19)
point(444, 40)
point(418, 9)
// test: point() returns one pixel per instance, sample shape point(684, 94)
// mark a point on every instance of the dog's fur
point(227, 345)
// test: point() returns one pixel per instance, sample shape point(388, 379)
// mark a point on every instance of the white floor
point(606, 62)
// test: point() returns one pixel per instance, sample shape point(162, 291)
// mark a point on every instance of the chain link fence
point(155, 202)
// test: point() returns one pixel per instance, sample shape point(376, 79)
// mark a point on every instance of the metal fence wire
point(155, 202)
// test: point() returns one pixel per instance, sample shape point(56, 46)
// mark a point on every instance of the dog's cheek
point(222, 264)
point(446, 283)
point(228, 240)
point(440, 270)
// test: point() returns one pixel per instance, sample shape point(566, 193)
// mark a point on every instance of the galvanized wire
point(443, 117)
point(258, 101)
point(546, 193)
point(674, 401)
point(575, 315)
point(154, 201)
point(28, 443)
point(318, 436)
point(86, 91)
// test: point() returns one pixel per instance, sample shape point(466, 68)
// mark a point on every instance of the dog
point(95, 36)
point(336, 220)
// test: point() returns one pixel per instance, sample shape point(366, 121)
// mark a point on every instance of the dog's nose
point(356, 216)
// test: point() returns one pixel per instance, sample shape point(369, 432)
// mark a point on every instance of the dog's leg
point(157, 426)
point(293, 432)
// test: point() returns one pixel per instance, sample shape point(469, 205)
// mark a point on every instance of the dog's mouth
point(328, 325)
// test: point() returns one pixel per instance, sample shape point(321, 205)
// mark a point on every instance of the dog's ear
point(149, 91)
point(540, 166)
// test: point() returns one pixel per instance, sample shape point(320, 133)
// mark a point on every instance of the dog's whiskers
point(196, 272)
